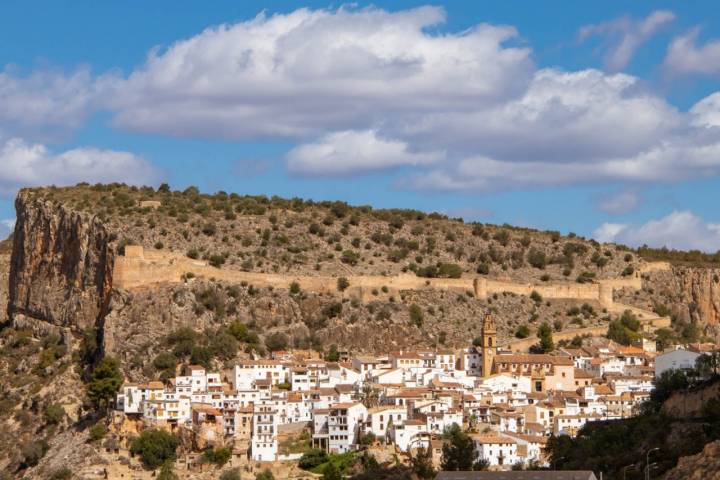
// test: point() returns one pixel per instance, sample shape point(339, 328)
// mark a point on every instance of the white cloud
point(344, 153)
point(680, 230)
point(44, 103)
point(25, 164)
point(624, 35)
point(706, 113)
point(685, 57)
point(360, 90)
point(624, 201)
point(609, 232)
point(305, 73)
point(6, 227)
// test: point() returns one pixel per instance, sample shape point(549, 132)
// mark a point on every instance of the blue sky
point(597, 118)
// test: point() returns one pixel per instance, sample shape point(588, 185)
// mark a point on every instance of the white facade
point(678, 359)
point(264, 437)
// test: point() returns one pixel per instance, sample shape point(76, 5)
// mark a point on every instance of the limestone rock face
point(703, 466)
point(700, 291)
point(61, 265)
point(4, 272)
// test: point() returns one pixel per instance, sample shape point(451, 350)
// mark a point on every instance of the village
point(405, 400)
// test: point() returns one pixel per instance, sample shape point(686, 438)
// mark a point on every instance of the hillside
point(434, 278)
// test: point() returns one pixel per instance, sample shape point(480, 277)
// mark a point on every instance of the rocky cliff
point(703, 466)
point(61, 265)
point(695, 293)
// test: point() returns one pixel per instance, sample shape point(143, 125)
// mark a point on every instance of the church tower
point(488, 345)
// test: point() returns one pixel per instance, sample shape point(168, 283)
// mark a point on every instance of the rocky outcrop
point(698, 290)
point(61, 265)
point(703, 466)
point(691, 295)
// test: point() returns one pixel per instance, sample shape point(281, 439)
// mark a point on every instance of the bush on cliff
point(155, 447)
point(105, 382)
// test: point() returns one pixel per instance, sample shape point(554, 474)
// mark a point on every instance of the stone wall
point(140, 268)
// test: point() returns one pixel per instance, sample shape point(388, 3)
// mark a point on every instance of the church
point(547, 372)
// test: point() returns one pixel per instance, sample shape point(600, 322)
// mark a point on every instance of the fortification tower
point(488, 345)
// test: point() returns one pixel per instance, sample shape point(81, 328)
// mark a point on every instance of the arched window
point(489, 341)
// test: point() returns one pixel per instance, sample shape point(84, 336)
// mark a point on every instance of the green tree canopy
point(105, 382)
point(155, 447)
point(459, 452)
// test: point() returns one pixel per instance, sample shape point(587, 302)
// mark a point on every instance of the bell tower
point(488, 345)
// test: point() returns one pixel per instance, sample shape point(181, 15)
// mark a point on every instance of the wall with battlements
point(139, 268)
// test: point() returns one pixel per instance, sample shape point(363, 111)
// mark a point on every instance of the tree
point(422, 464)
point(218, 456)
point(331, 472)
point(544, 333)
point(276, 341)
point(155, 447)
point(668, 382)
point(200, 355)
point(223, 345)
point(105, 382)
point(664, 338)
point(294, 288)
point(333, 355)
point(89, 346)
point(459, 452)
point(624, 330)
point(238, 330)
point(708, 364)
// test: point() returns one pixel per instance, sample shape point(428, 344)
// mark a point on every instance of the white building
point(344, 422)
point(676, 359)
point(496, 449)
point(264, 443)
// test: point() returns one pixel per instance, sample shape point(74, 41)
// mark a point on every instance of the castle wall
point(140, 268)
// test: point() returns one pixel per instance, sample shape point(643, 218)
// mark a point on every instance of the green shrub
point(218, 456)
point(523, 331)
point(342, 284)
point(537, 258)
point(165, 361)
point(200, 355)
point(105, 382)
point(294, 288)
point(155, 447)
point(63, 473)
point(313, 458)
point(276, 341)
point(265, 475)
point(97, 432)
point(416, 315)
point(350, 257)
point(53, 414)
point(333, 310)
